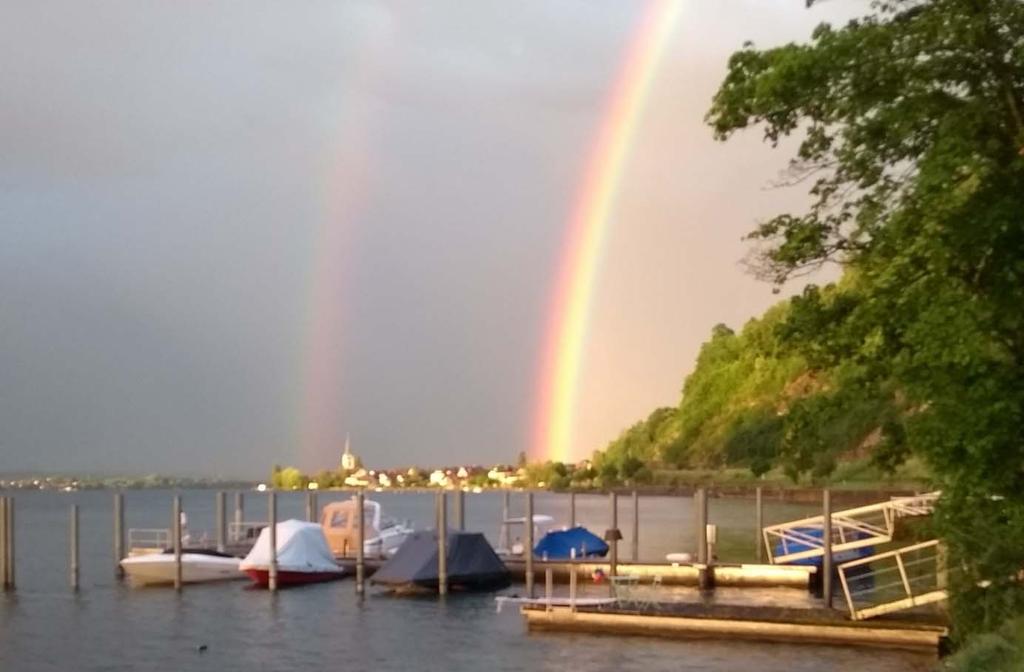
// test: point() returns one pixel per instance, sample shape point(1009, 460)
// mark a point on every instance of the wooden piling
point(460, 510)
point(528, 544)
point(705, 578)
point(73, 547)
point(118, 534)
point(315, 496)
point(636, 526)
point(272, 514)
point(176, 539)
point(239, 513)
point(614, 534)
point(309, 507)
point(572, 509)
point(549, 585)
point(3, 543)
point(222, 514)
point(503, 536)
point(572, 587)
point(442, 543)
point(361, 543)
point(826, 547)
point(759, 523)
point(11, 552)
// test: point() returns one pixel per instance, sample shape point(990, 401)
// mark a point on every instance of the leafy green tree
point(909, 124)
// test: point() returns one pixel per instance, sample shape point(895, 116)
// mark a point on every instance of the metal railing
point(149, 539)
point(893, 581)
point(245, 531)
point(851, 528)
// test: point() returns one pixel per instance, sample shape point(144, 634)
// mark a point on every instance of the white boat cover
point(301, 547)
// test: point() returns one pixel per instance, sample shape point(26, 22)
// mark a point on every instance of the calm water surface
point(109, 626)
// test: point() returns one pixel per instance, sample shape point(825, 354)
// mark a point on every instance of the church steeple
point(348, 460)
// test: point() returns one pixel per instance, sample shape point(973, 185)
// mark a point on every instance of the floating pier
point(756, 623)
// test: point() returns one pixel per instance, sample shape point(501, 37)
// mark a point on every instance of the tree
point(910, 129)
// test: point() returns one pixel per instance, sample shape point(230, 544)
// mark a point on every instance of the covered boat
point(302, 556)
point(575, 542)
point(472, 564)
point(197, 566)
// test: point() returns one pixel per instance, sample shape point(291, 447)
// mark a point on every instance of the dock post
point(528, 544)
point(176, 539)
point(11, 553)
point(309, 507)
point(3, 543)
point(705, 577)
point(549, 585)
point(572, 509)
point(442, 543)
point(826, 547)
point(118, 534)
point(272, 514)
point(239, 514)
point(460, 510)
point(572, 587)
point(636, 526)
point(360, 544)
point(222, 539)
point(613, 536)
point(759, 523)
point(503, 534)
point(73, 546)
point(315, 496)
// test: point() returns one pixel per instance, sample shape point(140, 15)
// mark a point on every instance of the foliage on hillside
point(756, 399)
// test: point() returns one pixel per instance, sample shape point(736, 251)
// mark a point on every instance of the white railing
point(851, 528)
point(893, 581)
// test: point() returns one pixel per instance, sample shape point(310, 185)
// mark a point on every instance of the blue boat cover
point(787, 547)
point(558, 545)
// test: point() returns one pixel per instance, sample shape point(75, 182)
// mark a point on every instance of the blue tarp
point(559, 545)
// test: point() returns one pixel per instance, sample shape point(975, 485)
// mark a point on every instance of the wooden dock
point(921, 633)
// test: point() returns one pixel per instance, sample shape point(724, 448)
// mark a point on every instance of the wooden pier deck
point(915, 632)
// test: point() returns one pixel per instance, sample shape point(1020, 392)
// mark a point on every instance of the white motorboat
point(541, 524)
point(197, 566)
point(381, 537)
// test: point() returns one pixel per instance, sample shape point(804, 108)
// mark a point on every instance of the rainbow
point(565, 335)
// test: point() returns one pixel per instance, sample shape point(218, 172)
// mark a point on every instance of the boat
point(541, 523)
point(197, 566)
point(302, 556)
point(382, 535)
point(471, 563)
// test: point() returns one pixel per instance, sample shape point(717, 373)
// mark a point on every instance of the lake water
point(109, 626)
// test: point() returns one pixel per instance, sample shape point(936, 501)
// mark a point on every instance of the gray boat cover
point(472, 563)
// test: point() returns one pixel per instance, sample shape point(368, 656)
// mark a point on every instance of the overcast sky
point(233, 232)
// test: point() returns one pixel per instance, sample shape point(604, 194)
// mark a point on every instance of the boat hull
point(159, 569)
point(261, 577)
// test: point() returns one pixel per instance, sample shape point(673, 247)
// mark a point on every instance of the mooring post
point(118, 534)
point(503, 530)
point(73, 547)
point(826, 547)
point(636, 526)
point(309, 506)
point(222, 539)
point(572, 587)
point(614, 535)
point(460, 510)
point(272, 514)
point(315, 496)
point(3, 543)
point(759, 522)
point(239, 515)
point(176, 539)
point(572, 509)
point(442, 543)
point(11, 552)
point(528, 544)
point(549, 585)
point(705, 577)
point(361, 543)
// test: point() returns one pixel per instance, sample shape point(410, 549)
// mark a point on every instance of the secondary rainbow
point(565, 335)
